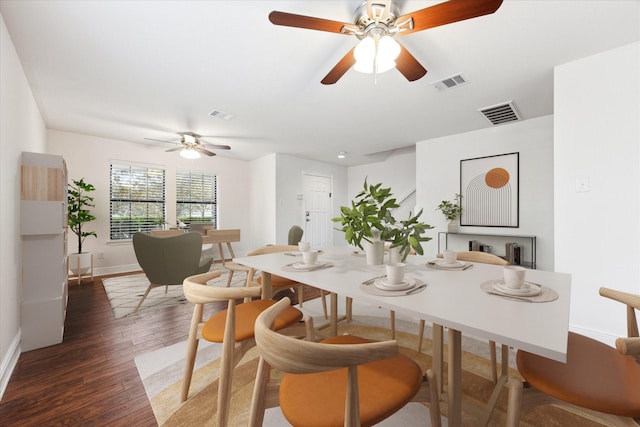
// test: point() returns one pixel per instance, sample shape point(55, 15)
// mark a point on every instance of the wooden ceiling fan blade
point(448, 12)
point(340, 69)
point(409, 66)
point(216, 146)
point(205, 151)
point(174, 149)
point(160, 140)
point(308, 22)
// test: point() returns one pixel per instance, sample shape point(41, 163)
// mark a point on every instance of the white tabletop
point(452, 298)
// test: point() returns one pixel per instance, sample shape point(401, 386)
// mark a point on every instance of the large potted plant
point(451, 211)
point(368, 221)
point(78, 214)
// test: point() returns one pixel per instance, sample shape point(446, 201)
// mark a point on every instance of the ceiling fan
point(376, 23)
point(191, 145)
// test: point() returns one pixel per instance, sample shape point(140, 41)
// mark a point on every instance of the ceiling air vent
point(449, 82)
point(221, 115)
point(501, 113)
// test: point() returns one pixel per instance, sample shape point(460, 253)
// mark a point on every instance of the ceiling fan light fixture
point(376, 54)
point(189, 153)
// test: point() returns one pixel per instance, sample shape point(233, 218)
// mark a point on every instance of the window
point(137, 199)
point(196, 197)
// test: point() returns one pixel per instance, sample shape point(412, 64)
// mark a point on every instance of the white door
point(317, 210)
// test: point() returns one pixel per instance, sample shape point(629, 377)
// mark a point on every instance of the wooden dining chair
point(226, 237)
point(341, 381)
point(233, 327)
point(596, 380)
point(278, 283)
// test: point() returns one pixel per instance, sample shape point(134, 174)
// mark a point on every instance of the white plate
point(457, 264)
point(527, 290)
point(407, 283)
point(302, 266)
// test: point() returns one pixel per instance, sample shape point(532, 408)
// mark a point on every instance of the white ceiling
point(130, 70)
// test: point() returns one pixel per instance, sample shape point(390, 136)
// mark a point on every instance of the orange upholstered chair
point(597, 379)
point(342, 381)
point(233, 327)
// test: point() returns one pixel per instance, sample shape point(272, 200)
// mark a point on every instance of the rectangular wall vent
point(449, 82)
point(221, 115)
point(501, 113)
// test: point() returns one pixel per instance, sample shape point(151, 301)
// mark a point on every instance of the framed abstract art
point(490, 191)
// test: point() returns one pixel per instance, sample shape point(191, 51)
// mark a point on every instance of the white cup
point(514, 276)
point(304, 246)
point(395, 273)
point(310, 257)
point(449, 256)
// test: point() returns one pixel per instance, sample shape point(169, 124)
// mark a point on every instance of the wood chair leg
point(392, 318)
point(420, 335)
point(256, 414)
point(300, 295)
point(434, 407)
point(324, 305)
point(229, 279)
point(227, 364)
point(513, 406)
point(143, 297)
point(348, 309)
point(192, 350)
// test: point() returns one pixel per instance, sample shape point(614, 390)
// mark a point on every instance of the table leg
point(334, 313)
point(267, 290)
point(438, 336)
point(454, 387)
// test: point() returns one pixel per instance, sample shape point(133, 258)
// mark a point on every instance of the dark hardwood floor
point(91, 378)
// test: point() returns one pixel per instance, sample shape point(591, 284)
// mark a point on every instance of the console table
point(528, 243)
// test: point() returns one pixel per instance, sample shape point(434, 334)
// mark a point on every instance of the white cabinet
point(43, 193)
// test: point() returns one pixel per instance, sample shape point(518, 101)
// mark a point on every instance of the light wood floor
point(91, 378)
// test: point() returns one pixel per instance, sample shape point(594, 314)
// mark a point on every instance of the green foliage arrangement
point(78, 201)
point(451, 210)
point(370, 213)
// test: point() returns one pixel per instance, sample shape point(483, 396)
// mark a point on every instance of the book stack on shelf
point(512, 253)
point(474, 245)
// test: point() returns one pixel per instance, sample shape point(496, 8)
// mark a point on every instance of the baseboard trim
point(9, 362)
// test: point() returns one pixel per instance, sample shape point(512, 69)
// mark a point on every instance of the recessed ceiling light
point(218, 114)
point(342, 154)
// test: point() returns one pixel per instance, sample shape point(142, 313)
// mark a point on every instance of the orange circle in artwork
point(497, 178)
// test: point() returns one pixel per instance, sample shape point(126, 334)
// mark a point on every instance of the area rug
point(161, 373)
point(124, 293)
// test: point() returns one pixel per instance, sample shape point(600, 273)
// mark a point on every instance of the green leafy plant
point(451, 210)
point(371, 211)
point(408, 234)
point(78, 201)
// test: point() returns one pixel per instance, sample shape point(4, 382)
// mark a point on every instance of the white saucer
point(298, 253)
point(302, 266)
point(527, 290)
point(407, 283)
point(456, 264)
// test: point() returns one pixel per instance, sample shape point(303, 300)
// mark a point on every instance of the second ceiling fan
point(376, 23)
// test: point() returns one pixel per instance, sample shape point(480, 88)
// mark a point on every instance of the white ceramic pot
point(394, 255)
point(453, 226)
point(374, 252)
point(80, 263)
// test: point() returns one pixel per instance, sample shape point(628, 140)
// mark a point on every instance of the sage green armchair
point(169, 260)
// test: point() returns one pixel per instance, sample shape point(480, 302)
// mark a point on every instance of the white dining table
point(452, 299)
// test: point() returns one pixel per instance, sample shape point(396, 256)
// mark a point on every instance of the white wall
point(438, 178)
point(397, 172)
point(262, 201)
point(21, 129)
point(80, 153)
point(597, 139)
point(289, 183)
